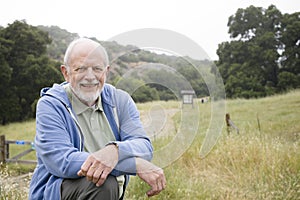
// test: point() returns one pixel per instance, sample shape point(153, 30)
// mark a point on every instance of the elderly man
point(89, 137)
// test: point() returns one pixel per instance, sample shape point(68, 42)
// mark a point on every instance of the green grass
point(262, 162)
point(20, 131)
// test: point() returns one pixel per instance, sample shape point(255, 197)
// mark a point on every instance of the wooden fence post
point(230, 124)
point(227, 118)
point(2, 149)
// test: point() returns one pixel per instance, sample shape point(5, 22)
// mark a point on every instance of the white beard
point(89, 98)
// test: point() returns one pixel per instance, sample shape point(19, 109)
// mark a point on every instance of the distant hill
point(60, 40)
point(123, 58)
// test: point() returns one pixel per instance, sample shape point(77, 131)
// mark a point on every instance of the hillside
point(124, 58)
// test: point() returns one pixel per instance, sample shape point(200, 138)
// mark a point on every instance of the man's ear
point(107, 69)
point(64, 71)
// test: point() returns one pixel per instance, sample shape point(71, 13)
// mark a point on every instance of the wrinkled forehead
point(87, 52)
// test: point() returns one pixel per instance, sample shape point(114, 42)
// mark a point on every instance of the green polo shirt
point(95, 127)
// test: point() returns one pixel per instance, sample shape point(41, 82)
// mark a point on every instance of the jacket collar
point(57, 91)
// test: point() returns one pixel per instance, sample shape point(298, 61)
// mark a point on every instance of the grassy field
point(261, 162)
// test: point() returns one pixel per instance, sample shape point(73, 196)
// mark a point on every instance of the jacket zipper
point(78, 125)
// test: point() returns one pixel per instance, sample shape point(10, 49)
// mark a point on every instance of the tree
point(288, 80)
point(291, 41)
point(144, 94)
point(249, 64)
point(25, 67)
point(9, 107)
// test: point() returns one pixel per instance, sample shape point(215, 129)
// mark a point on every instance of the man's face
point(87, 73)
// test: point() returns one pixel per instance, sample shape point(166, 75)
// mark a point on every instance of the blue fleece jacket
point(59, 141)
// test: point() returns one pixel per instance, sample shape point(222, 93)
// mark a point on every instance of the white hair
point(78, 41)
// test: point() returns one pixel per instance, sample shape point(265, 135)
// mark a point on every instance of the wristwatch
point(114, 143)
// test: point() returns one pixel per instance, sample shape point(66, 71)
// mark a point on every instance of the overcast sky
point(204, 22)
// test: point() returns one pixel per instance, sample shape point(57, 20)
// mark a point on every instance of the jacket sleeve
point(57, 142)
point(134, 141)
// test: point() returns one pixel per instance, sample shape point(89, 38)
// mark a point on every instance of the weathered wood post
point(2, 149)
point(230, 124)
point(227, 118)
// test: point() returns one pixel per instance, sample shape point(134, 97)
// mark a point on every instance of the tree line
point(261, 59)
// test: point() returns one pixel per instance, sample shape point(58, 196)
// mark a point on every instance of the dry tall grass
point(262, 162)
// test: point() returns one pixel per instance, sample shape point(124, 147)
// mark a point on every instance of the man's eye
point(98, 69)
point(80, 69)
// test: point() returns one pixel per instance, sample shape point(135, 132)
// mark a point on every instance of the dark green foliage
point(291, 41)
point(288, 80)
point(25, 69)
point(144, 94)
point(264, 48)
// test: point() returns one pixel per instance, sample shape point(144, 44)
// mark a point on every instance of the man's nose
point(90, 73)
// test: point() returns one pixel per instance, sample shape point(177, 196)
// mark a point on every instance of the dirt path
point(158, 121)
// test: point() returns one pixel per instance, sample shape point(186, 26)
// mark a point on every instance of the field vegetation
point(261, 162)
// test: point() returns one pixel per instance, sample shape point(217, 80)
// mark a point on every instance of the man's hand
point(99, 164)
point(152, 175)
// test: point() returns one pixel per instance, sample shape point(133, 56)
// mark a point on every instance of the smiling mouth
point(89, 85)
